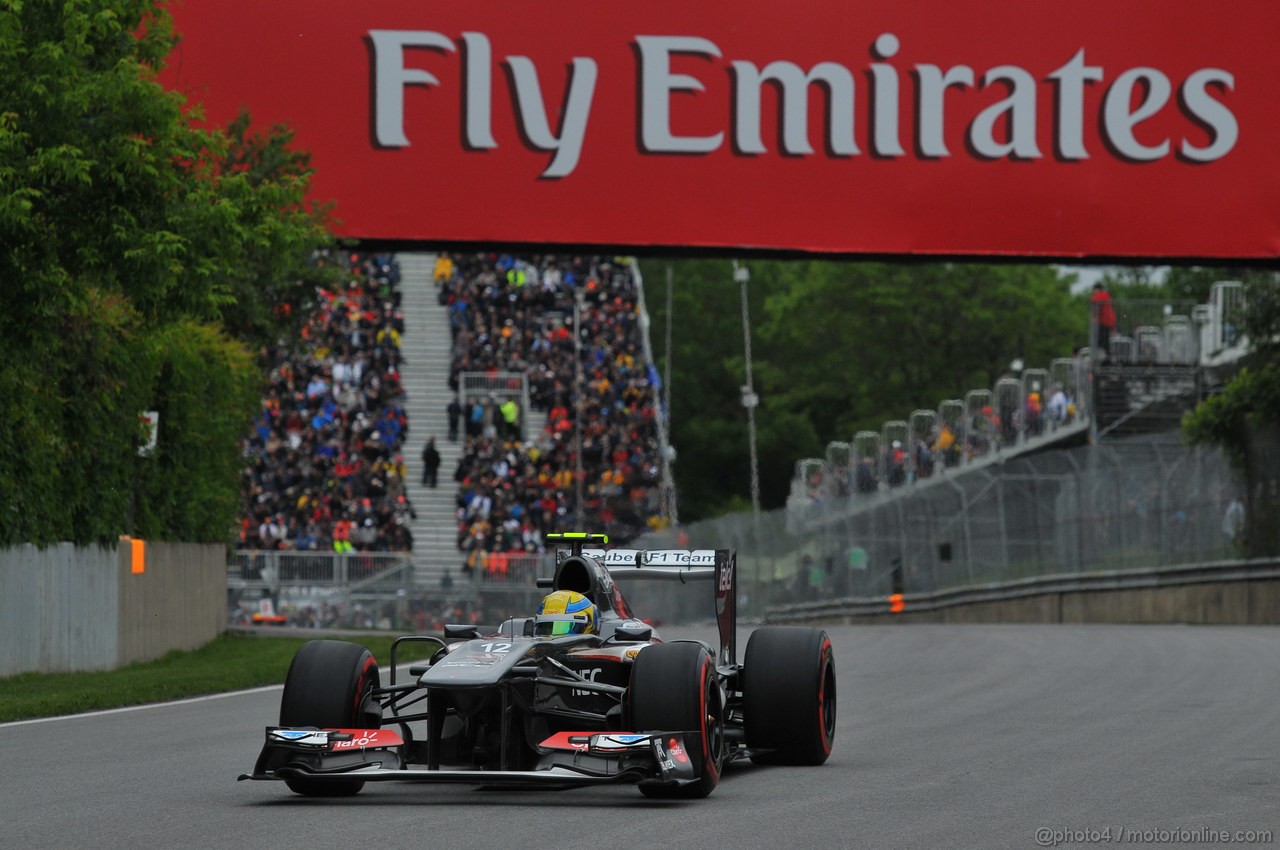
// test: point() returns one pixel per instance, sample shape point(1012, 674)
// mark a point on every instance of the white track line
point(188, 701)
point(143, 707)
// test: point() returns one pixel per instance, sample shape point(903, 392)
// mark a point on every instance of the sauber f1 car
point(518, 704)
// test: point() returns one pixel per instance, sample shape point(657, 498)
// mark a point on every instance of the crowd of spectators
point(324, 468)
point(512, 314)
point(943, 444)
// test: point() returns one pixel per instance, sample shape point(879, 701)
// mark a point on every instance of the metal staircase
point(1144, 399)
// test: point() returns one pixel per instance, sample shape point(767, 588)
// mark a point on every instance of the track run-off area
point(948, 736)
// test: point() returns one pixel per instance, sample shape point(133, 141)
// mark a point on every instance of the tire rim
point(713, 723)
point(828, 702)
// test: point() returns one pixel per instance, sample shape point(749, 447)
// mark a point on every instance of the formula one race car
point(534, 702)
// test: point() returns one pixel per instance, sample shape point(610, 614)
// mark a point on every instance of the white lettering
point(1005, 128)
point(656, 85)
point(1071, 79)
point(479, 91)
point(391, 76)
point(1202, 107)
point(933, 87)
point(885, 141)
point(1021, 107)
point(1119, 119)
point(794, 106)
point(590, 676)
point(726, 577)
point(533, 113)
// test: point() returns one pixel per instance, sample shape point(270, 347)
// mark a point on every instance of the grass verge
point(228, 663)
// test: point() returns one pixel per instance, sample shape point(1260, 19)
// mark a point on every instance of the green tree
point(838, 347)
point(132, 240)
point(1244, 419)
point(709, 424)
point(273, 286)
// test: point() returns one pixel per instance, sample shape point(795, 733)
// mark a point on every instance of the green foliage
point(1251, 398)
point(104, 163)
point(1262, 317)
point(1244, 419)
point(273, 286)
point(128, 236)
point(77, 398)
point(837, 347)
point(205, 391)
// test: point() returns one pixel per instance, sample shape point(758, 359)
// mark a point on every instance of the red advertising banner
point(1145, 128)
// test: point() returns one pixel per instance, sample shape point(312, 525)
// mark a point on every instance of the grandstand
point(526, 332)
point(333, 471)
point(324, 468)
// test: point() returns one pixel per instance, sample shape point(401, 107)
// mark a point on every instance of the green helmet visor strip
point(561, 624)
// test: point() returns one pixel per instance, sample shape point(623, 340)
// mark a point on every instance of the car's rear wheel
point(789, 695)
point(329, 686)
point(674, 688)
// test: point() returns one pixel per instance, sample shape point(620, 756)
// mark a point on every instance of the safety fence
point(498, 387)
point(272, 586)
point(502, 570)
point(1151, 331)
point(1129, 504)
point(313, 588)
point(1238, 591)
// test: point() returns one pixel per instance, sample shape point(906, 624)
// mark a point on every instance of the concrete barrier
point(1217, 593)
point(68, 608)
point(179, 602)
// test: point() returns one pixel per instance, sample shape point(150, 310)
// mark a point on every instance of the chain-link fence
point(1174, 331)
point(1123, 505)
point(497, 387)
point(295, 581)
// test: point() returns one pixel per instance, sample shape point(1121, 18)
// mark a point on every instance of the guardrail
point(326, 574)
point(289, 566)
point(320, 573)
point(515, 571)
point(1182, 575)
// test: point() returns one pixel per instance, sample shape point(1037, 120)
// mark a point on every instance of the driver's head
point(565, 612)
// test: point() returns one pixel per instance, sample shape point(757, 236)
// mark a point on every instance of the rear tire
point(789, 698)
point(328, 687)
point(674, 688)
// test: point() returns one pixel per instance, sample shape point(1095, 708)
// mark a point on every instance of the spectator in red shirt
point(1104, 316)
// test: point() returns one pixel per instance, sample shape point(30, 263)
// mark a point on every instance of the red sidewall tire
point(674, 688)
point(789, 695)
point(328, 686)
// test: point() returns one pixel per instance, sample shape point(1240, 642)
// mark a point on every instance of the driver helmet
point(565, 612)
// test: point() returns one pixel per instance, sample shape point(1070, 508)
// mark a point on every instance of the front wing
point(567, 759)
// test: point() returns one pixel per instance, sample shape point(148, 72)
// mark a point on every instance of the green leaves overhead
point(140, 253)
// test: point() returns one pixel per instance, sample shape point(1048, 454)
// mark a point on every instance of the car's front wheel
point(329, 686)
point(674, 688)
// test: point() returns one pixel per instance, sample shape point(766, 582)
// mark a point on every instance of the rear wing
point(683, 565)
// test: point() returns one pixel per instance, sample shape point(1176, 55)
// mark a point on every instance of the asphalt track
point(948, 736)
